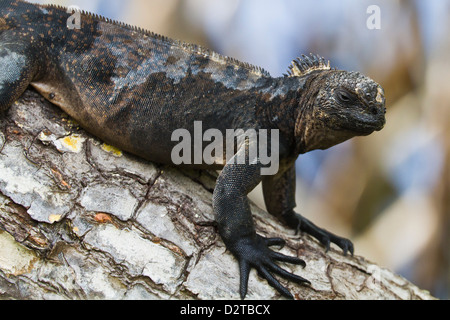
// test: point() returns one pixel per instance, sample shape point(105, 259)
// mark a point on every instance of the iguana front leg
point(237, 230)
point(18, 67)
point(279, 196)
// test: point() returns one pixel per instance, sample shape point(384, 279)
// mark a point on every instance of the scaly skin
point(133, 89)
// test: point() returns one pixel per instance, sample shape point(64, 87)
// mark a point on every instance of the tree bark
point(82, 220)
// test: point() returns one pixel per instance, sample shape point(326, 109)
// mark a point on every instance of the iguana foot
point(325, 237)
point(254, 252)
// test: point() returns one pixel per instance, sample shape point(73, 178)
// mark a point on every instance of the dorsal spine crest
point(307, 64)
point(186, 46)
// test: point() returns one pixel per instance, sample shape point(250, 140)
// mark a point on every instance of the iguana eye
point(343, 96)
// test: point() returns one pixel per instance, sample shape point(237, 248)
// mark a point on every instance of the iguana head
point(336, 105)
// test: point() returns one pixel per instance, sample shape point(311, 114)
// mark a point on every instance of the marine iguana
point(133, 89)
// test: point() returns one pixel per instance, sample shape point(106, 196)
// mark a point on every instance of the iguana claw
point(325, 237)
point(255, 253)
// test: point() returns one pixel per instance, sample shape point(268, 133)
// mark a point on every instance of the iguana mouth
point(367, 127)
point(373, 120)
point(364, 124)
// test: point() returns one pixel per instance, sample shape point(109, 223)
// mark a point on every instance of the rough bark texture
point(81, 220)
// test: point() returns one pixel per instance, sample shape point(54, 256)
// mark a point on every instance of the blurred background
point(389, 192)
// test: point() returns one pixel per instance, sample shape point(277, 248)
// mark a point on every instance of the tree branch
point(81, 220)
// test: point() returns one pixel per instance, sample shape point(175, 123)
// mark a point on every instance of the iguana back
point(129, 86)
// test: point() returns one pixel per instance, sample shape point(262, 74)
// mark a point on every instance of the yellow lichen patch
point(73, 143)
point(112, 150)
point(54, 218)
